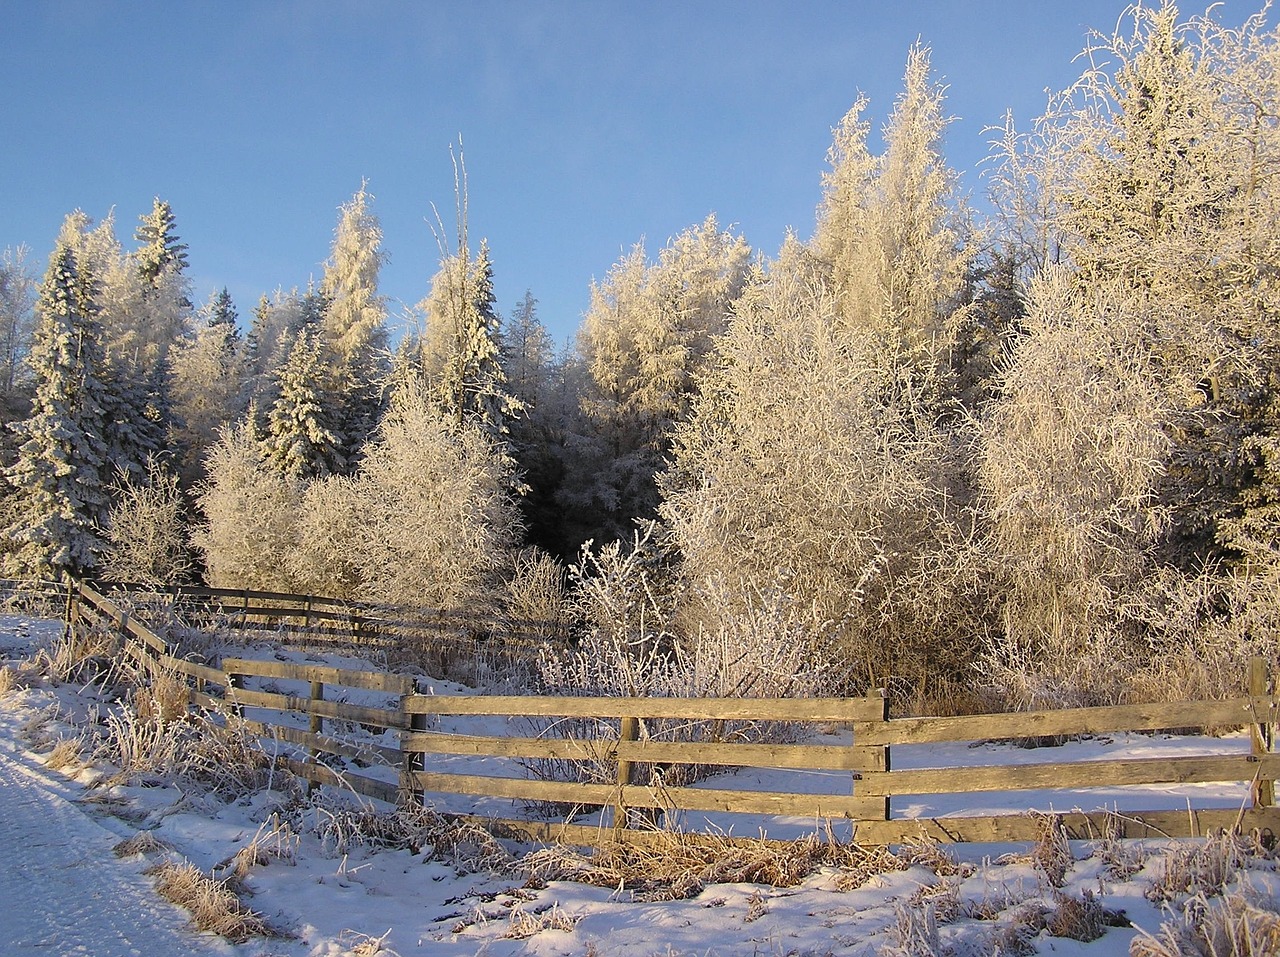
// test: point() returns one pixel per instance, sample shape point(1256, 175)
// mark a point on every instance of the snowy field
point(66, 892)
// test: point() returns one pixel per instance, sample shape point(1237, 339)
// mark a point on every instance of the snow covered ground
point(64, 890)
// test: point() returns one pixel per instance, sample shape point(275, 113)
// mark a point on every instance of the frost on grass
point(213, 905)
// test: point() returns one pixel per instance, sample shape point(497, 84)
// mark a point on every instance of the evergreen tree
point(354, 321)
point(459, 353)
point(537, 437)
point(161, 251)
point(61, 470)
point(301, 440)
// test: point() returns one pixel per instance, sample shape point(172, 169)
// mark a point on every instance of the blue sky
point(587, 126)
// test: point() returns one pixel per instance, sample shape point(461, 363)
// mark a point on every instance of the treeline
point(1025, 460)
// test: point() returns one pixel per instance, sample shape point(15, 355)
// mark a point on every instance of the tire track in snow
point(63, 891)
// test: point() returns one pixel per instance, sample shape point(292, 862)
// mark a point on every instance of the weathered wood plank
point(1021, 827)
point(824, 757)
point(324, 742)
point(320, 774)
point(637, 796)
point(379, 717)
point(574, 749)
point(1026, 724)
point(815, 757)
point(706, 709)
point(1078, 774)
point(368, 680)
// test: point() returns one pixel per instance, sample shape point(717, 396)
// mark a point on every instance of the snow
point(65, 892)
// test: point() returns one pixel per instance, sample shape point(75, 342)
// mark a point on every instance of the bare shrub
point(213, 905)
point(146, 532)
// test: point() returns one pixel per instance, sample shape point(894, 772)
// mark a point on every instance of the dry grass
point(467, 846)
point(65, 755)
point(213, 905)
point(1204, 868)
point(674, 866)
point(1051, 854)
point(1233, 927)
point(1083, 918)
point(8, 680)
point(275, 840)
point(142, 843)
point(527, 923)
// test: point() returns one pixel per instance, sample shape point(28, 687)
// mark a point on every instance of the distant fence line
point(329, 737)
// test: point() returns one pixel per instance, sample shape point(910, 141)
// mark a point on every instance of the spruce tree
point(354, 322)
point(62, 466)
point(301, 440)
point(161, 251)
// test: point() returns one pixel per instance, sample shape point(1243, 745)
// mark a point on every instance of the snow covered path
point(63, 891)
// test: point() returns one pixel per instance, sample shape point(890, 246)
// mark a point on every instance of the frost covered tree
point(459, 351)
point(1129, 441)
point(142, 320)
point(146, 531)
point(353, 323)
point(301, 438)
point(17, 317)
point(1160, 167)
point(160, 251)
point(891, 233)
point(435, 523)
point(795, 487)
point(208, 376)
point(249, 535)
point(535, 376)
point(62, 468)
point(642, 343)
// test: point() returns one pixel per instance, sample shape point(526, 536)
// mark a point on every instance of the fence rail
point(662, 736)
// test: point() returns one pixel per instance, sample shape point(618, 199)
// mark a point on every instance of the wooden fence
point(443, 640)
point(389, 751)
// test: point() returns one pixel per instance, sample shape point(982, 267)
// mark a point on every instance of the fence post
point(316, 725)
point(876, 758)
point(629, 731)
point(1264, 792)
point(414, 760)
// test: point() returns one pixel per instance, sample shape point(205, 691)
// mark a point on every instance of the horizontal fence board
point(1078, 774)
point(1029, 724)
point(193, 670)
point(1078, 825)
point(822, 757)
point(326, 743)
point(368, 680)
point(704, 709)
point(430, 742)
point(636, 796)
point(320, 774)
point(380, 717)
point(810, 757)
